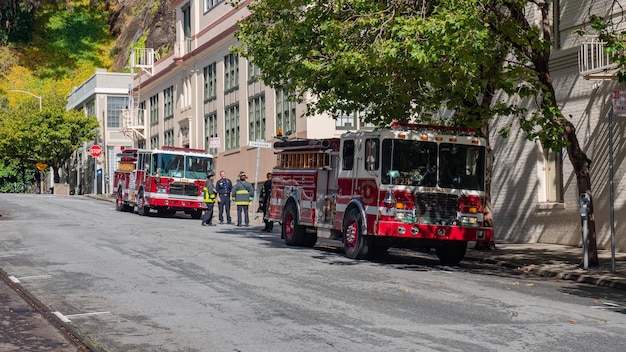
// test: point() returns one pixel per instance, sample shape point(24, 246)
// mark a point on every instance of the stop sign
point(95, 150)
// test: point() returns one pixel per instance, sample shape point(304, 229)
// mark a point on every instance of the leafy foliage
point(17, 18)
point(48, 136)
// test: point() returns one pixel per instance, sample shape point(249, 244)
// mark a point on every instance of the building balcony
point(593, 60)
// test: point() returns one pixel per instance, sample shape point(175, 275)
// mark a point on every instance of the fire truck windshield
point(180, 165)
point(428, 164)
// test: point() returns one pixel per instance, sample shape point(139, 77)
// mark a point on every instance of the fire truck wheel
point(355, 243)
point(196, 214)
point(119, 203)
point(142, 209)
point(291, 231)
point(451, 253)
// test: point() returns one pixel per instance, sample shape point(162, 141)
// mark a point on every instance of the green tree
point(401, 60)
point(49, 136)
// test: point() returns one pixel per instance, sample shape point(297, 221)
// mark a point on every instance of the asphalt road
point(131, 283)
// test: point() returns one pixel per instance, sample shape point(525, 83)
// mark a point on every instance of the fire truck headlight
point(161, 189)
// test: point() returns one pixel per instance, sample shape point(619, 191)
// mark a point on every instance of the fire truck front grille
point(436, 206)
point(184, 189)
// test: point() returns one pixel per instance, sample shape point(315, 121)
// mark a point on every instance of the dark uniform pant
point(224, 205)
point(208, 214)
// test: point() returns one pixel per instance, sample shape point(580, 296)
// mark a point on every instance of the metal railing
point(593, 60)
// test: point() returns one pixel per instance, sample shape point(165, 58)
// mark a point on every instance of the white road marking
point(66, 318)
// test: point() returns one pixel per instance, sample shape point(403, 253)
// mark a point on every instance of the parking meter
point(585, 203)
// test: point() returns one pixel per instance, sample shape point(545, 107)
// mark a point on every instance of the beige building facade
point(201, 95)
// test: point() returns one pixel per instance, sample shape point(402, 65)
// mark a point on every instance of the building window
point(154, 142)
point(154, 109)
point(141, 144)
point(210, 82)
point(254, 73)
point(351, 121)
point(168, 138)
point(168, 103)
point(256, 111)
point(186, 21)
point(231, 126)
point(115, 105)
point(210, 127)
point(285, 112)
point(209, 4)
point(346, 121)
point(141, 113)
point(231, 72)
point(550, 176)
point(91, 108)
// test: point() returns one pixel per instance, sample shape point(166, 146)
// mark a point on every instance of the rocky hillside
point(140, 23)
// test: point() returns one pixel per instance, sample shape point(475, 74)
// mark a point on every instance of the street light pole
point(29, 93)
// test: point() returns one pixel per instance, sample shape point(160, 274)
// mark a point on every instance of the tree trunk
point(578, 158)
point(550, 109)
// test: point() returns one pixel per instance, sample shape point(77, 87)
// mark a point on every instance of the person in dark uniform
point(224, 187)
point(266, 194)
point(209, 198)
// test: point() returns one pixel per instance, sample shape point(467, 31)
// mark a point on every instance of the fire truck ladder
point(134, 122)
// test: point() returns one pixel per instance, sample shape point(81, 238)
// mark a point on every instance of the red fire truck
point(167, 179)
point(411, 186)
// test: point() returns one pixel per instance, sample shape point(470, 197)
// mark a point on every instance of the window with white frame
point(154, 141)
point(168, 137)
point(352, 121)
point(254, 72)
point(91, 108)
point(209, 4)
point(141, 113)
point(154, 109)
point(256, 118)
point(231, 72)
point(115, 105)
point(210, 82)
point(285, 111)
point(550, 176)
point(168, 103)
point(231, 126)
point(210, 131)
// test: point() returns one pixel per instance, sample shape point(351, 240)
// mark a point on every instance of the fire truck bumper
point(431, 231)
point(176, 203)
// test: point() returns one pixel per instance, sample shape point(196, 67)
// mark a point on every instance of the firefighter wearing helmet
point(242, 195)
point(209, 198)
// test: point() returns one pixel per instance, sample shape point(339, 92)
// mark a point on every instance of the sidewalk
point(557, 261)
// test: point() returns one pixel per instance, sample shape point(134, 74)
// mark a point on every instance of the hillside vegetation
point(67, 40)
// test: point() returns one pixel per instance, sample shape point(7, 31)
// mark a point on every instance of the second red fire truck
point(410, 186)
point(167, 179)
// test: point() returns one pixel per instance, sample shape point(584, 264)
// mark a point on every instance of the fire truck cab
point(411, 186)
point(167, 179)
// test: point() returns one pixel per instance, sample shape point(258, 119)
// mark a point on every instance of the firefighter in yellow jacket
point(209, 198)
point(242, 194)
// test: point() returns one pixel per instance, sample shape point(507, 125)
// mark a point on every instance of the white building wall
point(518, 188)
